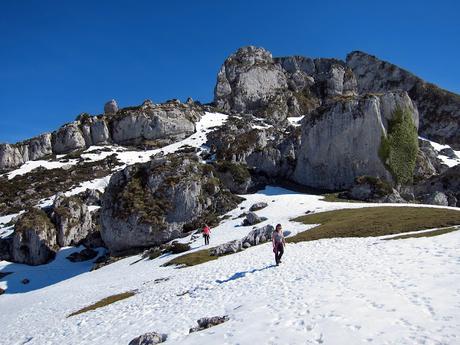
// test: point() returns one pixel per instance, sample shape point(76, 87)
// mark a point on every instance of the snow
point(336, 291)
point(295, 120)
point(450, 162)
point(31, 165)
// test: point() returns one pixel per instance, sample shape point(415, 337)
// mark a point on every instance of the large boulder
point(149, 204)
point(373, 135)
point(150, 338)
point(68, 138)
point(34, 238)
point(439, 109)
point(72, 219)
point(111, 107)
point(442, 189)
point(10, 156)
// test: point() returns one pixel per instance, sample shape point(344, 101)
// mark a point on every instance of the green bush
point(398, 150)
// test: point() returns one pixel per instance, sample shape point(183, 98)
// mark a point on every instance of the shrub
point(398, 150)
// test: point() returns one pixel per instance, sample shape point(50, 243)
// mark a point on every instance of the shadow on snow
point(239, 275)
point(44, 275)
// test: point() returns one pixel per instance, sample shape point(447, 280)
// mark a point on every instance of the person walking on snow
point(206, 233)
point(278, 243)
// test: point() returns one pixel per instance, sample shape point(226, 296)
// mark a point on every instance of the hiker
point(206, 233)
point(278, 243)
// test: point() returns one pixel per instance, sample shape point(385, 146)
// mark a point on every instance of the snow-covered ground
point(450, 162)
point(338, 291)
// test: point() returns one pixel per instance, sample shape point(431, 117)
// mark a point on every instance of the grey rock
point(72, 219)
point(227, 248)
point(68, 138)
point(100, 134)
point(111, 107)
point(439, 109)
point(151, 338)
point(207, 322)
point(448, 152)
point(447, 183)
point(153, 124)
point(251, 219)
point(257, 236)
point(437, 198)
point(10, 156)
point(34, 239)
point(348, 133)
point(149, 204)
point(258, 206)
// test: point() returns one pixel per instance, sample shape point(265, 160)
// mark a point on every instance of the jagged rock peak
point(111, 107)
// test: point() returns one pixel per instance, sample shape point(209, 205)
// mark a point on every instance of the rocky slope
point(148, 125)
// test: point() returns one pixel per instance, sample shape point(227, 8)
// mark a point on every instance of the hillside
point(100, 220)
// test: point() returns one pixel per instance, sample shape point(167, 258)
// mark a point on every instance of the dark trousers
point(279, 251)
point(206, 239)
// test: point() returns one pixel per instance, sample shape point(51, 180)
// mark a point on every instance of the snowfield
point(337, 291)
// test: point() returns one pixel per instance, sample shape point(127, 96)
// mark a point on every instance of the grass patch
point(426, 233)
point(192, 259)
point(374, 221)
point(104, 302)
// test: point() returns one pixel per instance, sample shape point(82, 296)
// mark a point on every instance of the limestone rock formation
point(151, 338)
point(343, 140)
point(152, 203)
point(72, 219)
point(252, 81)
point(111, 107)
point(34, 238)
point(439, 109)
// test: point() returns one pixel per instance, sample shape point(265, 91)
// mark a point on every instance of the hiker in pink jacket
point(278, 243)
point(206, 234)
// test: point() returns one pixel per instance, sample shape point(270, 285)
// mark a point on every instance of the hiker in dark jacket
point(206, 234)
point(278, 243)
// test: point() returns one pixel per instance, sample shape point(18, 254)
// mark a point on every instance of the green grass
point(361, 222)
point(192, 259)
point(426, 233)
point(374, 221)
point(104, 302)
point(398, 150)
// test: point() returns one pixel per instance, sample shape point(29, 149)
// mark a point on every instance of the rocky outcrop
point(447, 183)
point(255, 237)
point(72, 219)
point(111, 107)
point(345, 139)
point(151, 338)
point(439, 109)
point(152, 203)
point(147, 125)
point(207, 322)
point(371, 189)
point(34, 238)
point(252, 81)
point(268, 152)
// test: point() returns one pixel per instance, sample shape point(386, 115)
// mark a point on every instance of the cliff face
point(439, 109)
point(343, 140)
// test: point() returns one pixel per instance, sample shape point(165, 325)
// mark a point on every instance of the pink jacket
point(206, 230)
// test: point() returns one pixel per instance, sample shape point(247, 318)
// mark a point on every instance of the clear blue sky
point(60, 58)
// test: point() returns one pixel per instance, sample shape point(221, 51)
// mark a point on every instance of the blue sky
point(60, 58)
